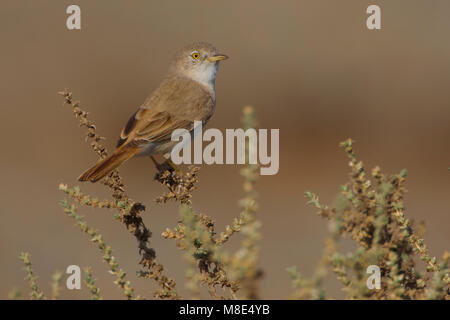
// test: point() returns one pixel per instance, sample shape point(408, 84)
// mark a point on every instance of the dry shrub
point(371, 213)
point(221, 273)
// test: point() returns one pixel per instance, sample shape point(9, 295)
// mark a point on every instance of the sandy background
point(310, 68)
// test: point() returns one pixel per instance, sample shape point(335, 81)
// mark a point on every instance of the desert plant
point(210, 265)
point(371, 213)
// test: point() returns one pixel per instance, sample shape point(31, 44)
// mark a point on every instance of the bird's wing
point(158, 128)
point(172, 106)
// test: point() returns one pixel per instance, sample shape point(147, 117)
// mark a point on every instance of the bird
point(186, 94)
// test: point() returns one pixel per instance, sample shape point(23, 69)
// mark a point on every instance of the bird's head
point(198, 61)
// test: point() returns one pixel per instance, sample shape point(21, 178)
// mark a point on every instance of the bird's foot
point(167, 165)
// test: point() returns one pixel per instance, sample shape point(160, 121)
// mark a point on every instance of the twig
point(36, 293)
point(71, 211)
point(129, 211)
point(56, 284)
point(90, 283)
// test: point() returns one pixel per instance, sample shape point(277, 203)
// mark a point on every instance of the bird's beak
point(217, 57)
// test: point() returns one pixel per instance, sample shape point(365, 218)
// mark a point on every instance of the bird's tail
point(108, 164)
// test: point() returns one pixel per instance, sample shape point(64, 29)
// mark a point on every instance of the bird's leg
point(167, 165)
point(155, 162)
point(161, 167)
point(173, 166)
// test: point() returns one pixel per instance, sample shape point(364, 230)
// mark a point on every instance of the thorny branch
point(130, 212)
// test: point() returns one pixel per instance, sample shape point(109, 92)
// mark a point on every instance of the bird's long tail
point(108, 164)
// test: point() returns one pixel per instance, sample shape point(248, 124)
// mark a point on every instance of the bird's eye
point(195, 55)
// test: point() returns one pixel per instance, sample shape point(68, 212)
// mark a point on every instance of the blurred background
point(310, 68)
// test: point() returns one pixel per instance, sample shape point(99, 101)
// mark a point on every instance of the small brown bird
point(186, 94)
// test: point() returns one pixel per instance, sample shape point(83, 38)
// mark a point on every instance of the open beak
point(217, 57)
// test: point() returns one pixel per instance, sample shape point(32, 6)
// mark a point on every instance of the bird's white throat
point(205, 74)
